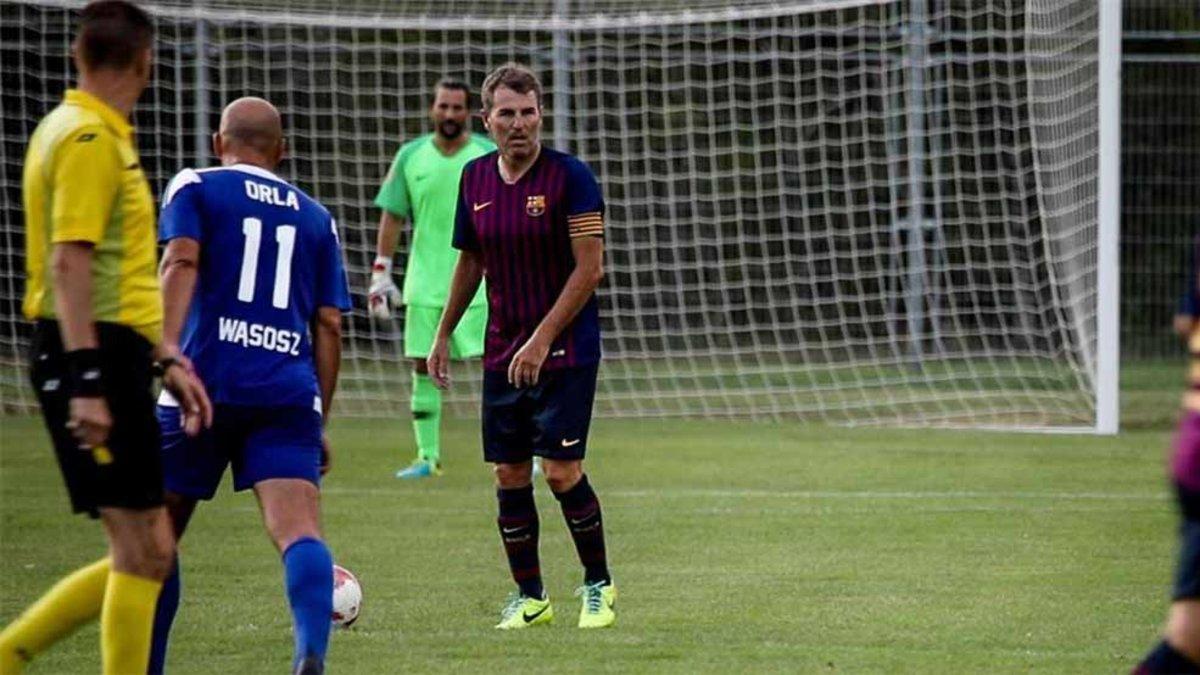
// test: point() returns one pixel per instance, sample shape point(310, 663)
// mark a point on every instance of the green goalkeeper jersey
point(422, 185)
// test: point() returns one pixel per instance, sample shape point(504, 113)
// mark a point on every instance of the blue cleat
point(420, 469)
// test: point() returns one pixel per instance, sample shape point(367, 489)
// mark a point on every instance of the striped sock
point(518, 523)
point(582, 512)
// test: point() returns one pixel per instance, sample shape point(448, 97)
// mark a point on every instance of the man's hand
point(326, 455)
point(526, 364)
point(382, 295)
point(438, 363)
point(183, 383)
point(90, 421)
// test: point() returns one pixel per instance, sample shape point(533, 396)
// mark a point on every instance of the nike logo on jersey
point(481, 206)
point(530, 617)
point(567, 444)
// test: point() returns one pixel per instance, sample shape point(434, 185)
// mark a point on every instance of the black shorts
point(127, 471)
point(549, 419)
point(1187, 571)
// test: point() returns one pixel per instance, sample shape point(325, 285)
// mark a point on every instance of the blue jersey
point(269, 258)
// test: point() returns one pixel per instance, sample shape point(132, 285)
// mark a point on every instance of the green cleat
point(422, 468)
point(599, 601)
point(523, 612)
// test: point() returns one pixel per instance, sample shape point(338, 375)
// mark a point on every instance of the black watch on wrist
point(162, 366)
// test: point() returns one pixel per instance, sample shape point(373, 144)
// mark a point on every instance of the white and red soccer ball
point(347, 597)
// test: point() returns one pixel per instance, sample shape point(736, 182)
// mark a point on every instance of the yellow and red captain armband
point(589, 224)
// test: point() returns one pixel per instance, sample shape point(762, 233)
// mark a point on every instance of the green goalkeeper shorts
point(420, 327)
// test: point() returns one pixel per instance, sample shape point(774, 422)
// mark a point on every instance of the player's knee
point(286, 527)
point(510, 476)
point(562, 476)
point(143, 543)
point(149, 556)
point(1183, 627)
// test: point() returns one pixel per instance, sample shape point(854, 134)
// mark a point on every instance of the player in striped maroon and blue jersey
point(1179, 651)
point(531, 220)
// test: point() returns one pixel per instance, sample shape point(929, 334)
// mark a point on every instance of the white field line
point(669, 493)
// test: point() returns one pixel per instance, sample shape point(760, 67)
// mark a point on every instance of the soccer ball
point(347, 597)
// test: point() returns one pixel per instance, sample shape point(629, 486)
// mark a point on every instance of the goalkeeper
point(422, 187)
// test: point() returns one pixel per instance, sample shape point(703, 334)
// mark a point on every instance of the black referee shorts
point(127, 471)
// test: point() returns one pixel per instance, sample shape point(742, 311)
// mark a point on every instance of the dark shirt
point(523, 232)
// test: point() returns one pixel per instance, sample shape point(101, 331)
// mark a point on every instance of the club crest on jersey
point(535, 205)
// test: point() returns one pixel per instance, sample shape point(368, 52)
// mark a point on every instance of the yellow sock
point(127, 623)
point(72, 602)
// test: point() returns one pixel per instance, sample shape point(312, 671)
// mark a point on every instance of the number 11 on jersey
point(285, 236)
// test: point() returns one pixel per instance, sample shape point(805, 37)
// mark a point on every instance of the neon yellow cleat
point(523, 612)
point(599, 601)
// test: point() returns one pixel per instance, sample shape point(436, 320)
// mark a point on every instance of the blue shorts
point(549, 419)
point(259, 442)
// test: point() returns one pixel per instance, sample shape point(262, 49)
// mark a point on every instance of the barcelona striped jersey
point(523, 232)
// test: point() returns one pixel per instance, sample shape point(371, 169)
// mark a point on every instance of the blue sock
point(164, 616)
point(308, 576)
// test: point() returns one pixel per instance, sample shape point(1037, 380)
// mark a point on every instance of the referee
point(93, 295)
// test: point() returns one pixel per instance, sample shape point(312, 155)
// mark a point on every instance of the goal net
point(860, 212)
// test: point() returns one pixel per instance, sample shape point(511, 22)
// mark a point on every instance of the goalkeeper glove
point(383, 294)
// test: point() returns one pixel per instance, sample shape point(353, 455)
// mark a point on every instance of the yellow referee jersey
point(83, 182)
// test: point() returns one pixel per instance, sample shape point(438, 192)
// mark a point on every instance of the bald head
point(251, 125)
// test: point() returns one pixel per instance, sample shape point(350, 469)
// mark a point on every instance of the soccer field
point(737, 547)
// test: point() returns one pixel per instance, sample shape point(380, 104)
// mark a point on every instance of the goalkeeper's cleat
point(522, 612)
point(422, 468)
point(599, 601)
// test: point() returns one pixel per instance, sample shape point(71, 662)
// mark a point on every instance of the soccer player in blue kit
point(253, 291)
point(531, 220)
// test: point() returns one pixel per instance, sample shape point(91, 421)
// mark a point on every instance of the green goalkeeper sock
point(427, 417)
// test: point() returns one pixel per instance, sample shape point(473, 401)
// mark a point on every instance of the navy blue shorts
point(549, 419)
point(259, 442)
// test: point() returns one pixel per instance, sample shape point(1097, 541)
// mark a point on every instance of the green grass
point(738, 547)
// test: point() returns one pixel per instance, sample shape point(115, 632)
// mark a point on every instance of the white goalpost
point(856, 212)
